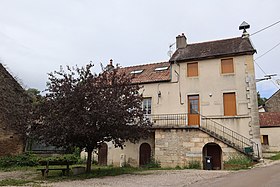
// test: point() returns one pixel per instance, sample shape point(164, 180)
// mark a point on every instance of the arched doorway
point(145, 154)
point(102, 154)
point(215, 152)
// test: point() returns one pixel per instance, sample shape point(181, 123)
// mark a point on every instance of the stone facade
point(10, 143)
point(273, 103)
point(13, 98)
point(179, 147)
point(192, 88)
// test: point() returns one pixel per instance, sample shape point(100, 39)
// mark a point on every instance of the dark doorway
point(215, 152)
point(102, 154)
point(145, 154)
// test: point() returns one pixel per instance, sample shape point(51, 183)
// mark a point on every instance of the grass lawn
point(275, 157)
point(35, 177)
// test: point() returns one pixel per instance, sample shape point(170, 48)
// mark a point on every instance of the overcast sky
point(37, 36)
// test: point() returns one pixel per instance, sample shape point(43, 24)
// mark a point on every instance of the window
point(227, 65)
point(229, 104)
point(192, 69)
point(193, 104)
point(147, 105)
point(264, 140)
point(137, 71)
point(162, 68)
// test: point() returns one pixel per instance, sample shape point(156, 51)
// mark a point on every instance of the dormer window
point(161, 68)
point(137, 71)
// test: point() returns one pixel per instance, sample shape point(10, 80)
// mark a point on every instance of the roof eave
point(149, 82)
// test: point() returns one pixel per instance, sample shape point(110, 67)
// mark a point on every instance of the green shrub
point(29, 159)
point(237, 162)
point(152, 164)
point(25, 159)
point(178, 167)
point(275, 157)
point(69, 157)
point(193, 164)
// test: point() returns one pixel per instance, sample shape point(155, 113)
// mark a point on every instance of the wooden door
point(214, 150)
point(145, 154)
point(102, 154)
point(193, 110)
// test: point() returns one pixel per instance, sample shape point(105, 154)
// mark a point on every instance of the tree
point(34, 94)
point(84, 109)
point(261, 100)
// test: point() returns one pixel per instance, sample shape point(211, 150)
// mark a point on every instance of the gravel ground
point(153, 178)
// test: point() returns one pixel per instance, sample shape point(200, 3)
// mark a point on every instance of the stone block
point(196, 140)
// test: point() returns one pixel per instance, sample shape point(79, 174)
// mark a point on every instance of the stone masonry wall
point(10, 143)
point(273, 104)
point(177, 147)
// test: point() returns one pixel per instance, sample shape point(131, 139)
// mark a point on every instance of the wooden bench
point(45, 171)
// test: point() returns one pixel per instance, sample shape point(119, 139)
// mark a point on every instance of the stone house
point(202, 102)
point(270, 124)
point(270, 131)
point(12, 97)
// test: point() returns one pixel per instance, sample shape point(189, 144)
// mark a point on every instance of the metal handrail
point(168, 120)
point(229, 134)
point(180, 120)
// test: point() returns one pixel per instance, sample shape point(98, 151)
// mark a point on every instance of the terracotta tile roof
point(149, 74)
point(269, 119)
point(214, 49)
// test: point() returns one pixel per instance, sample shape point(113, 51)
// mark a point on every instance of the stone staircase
point(230, 137)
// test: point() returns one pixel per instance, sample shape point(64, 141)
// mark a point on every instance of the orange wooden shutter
point(227, 65)
point(229, 104)
point(192, 69)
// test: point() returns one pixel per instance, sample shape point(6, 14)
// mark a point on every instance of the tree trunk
point(89, 151)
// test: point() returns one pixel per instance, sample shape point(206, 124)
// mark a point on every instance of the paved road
point(268, 176)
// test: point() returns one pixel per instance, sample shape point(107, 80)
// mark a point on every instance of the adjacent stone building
point(273, 103)
point(270, 124)
point(270, 131)
point(13, 103)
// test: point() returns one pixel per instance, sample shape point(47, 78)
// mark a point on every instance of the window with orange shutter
point(192, 69)
point(229, 104)
point(227, 65)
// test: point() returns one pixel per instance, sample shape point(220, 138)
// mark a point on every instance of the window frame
point(149, 101)
point(264, 141)
point(191, 74)
point(223, 71)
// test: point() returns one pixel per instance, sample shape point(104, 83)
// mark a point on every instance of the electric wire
point(265, 28)
point(261, 67)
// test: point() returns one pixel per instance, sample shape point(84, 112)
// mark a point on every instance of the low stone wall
point(179, 147)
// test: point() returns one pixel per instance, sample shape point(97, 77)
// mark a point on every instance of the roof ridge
point(217, 40)
point(272, 95)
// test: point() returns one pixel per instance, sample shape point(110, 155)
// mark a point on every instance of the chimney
point(110, 66)
point(181, 41)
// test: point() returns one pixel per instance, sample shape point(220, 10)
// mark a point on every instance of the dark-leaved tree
point(84, 109)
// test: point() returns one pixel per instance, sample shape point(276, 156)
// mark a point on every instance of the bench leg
point(43, 173)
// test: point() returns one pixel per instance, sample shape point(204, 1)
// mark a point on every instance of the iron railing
point(209, 126)
point(168, 120)
point(229, 136)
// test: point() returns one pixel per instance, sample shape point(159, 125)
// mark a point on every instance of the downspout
point(180, 94)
